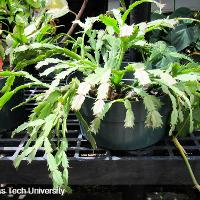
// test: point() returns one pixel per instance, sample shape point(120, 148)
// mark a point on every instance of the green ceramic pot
point(113, 135)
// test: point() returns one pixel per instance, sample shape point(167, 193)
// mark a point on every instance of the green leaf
point(154, 119)
point(27, 101)
point(165, 77)
point(65, 176)
point(45, 111)
point(189, 68)
point(25, 125)
point(109, 21)
point(54, 96)
point(22, 56)
point(9, 83)
point(152, 104)
point(20, 157)
point(49, 124)
point(117, 76)
point(58, 156)
point(174, 113)
point(5, 98)
point(47, 146)
point(34, 3)
point(38, 108)
point(64, 144)
point(39, 142)
point(95, 125)
point(65, 162)
point(48, 61)
point(141, 74)
point(57, 178)
point(129, 120)
point(32, 155)
point(182, 36)
point(55, 68)
point(183, 96)
point(51, 163)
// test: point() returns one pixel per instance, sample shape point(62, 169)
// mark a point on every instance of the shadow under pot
point(112, 133)
point(11, 119)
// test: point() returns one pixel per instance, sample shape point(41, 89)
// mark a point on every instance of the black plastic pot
point(10, 120)
point(113, 135)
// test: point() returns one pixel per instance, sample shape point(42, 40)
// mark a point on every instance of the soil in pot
point(113, 135)
point(9, 119)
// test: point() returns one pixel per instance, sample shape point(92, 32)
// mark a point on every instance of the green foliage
point(160, 55)
point(47, 118)
point(9, 82)
point(184, 35)
point(28, 22)
point(129, 120)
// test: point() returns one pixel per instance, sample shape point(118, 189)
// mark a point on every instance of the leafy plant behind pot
point(185, 36)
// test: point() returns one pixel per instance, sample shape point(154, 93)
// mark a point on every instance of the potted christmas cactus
point(119, 107)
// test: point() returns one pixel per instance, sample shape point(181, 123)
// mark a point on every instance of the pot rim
point(107, 101)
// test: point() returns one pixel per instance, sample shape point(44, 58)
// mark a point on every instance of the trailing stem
point(184, 156)
point(121, 56)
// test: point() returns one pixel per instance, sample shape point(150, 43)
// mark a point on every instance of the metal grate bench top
point(157, 165)
point(80, 148)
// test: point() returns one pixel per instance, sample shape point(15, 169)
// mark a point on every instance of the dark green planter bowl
point(10, 120)
point(112, 134)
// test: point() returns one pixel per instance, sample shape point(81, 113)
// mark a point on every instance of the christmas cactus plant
point(98, 55)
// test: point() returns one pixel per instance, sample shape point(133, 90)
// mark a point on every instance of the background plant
point(185, 36)
point(29, 22)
